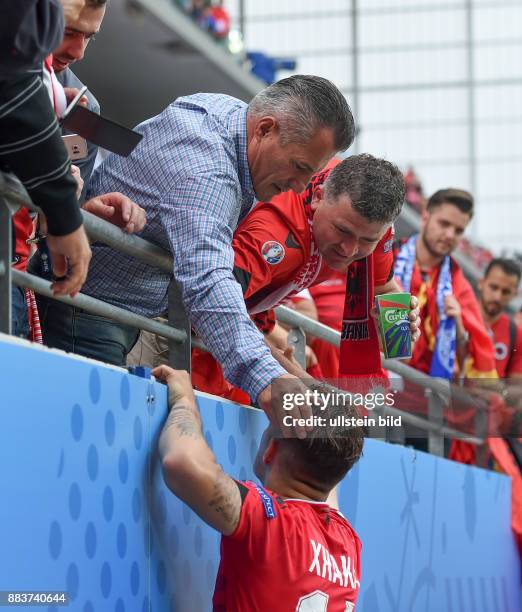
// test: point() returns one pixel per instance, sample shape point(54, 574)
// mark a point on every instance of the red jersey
point(288, 555)
point(508, 346)
point(275, 255)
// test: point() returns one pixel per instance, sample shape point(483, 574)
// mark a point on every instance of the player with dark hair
point(283, 547)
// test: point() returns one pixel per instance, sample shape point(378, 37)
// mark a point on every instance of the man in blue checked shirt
point(199, 169)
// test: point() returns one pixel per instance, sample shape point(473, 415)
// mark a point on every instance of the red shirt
point(276, 255)
point(505, 354)
point(23, 224)
point(306, 554)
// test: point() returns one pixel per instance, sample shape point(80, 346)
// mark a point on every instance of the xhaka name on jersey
point(325, 566)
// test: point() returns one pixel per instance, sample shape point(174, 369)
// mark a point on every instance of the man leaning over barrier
point(278, 542)
point(298, 240)
point(197, 172)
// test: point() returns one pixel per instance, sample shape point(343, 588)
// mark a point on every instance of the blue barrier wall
point(84, 509)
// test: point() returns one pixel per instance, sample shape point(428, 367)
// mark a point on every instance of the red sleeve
point(251, 509)
point(261, 257)
point(253, 521)
point(383, 259)
point(515, 364)
point(265, 321)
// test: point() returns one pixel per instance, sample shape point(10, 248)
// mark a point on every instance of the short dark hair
point(508, 266)
point(375, 186)
point(95, 3)
point(327, 454)
point(463, 200)
point(303, 104)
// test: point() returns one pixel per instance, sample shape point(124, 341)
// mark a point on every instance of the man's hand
point(452, 307)
point(118, 210)
point(72, 9)
point(271, 400)
point(178, 383)
point(414, 317)
point(310, 356)
point(72, 92)
point(70, 256)
point(75, 171)
point(415, 320)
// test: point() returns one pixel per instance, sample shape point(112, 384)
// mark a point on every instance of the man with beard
point(454, 338)
point(497, 288)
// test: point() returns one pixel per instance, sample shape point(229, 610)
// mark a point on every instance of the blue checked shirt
point(190, 173)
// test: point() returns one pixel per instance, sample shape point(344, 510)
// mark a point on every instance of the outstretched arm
point(190, 468)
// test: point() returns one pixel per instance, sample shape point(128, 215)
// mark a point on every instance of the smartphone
point(73, 104)
point(76, 146)
point(101, 131)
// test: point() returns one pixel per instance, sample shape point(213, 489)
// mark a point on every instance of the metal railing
point(13, 196)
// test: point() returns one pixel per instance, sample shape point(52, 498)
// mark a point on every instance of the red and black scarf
point(360, 353)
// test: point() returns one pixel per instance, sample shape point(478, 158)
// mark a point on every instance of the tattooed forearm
point(185, 419)
point(225, 499)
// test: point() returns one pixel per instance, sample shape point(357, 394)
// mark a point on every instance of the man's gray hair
point(302, 104)
point(375, 186)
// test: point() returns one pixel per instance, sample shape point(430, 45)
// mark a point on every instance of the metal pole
point(355, 76)
point(297, 339)
point(5, 266)
point(436, 416)
point(242, 19)
point(481, 430)
point(180, 353)
point(90, 304)
point(471, 107)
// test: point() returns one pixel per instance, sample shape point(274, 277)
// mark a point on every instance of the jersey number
point(314, 602)
point(317, 602)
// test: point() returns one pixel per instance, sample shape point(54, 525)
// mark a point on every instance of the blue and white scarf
point(444, 354)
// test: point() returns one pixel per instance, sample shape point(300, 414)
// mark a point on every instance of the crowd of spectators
point(210, 15)
point(213, 17)
point(319, 237)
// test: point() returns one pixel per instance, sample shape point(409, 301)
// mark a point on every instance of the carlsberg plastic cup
point(394, 325)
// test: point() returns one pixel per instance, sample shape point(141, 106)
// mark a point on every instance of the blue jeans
point(19, 320)
point(76, 331)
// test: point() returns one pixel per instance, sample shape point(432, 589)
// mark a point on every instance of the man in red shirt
point(283, 547)
point(295, 241)
point(344, 217)
point(497, 288)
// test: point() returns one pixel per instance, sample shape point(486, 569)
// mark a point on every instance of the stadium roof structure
point(148, 53)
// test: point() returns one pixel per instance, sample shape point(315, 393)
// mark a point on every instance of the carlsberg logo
point(393, 316)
